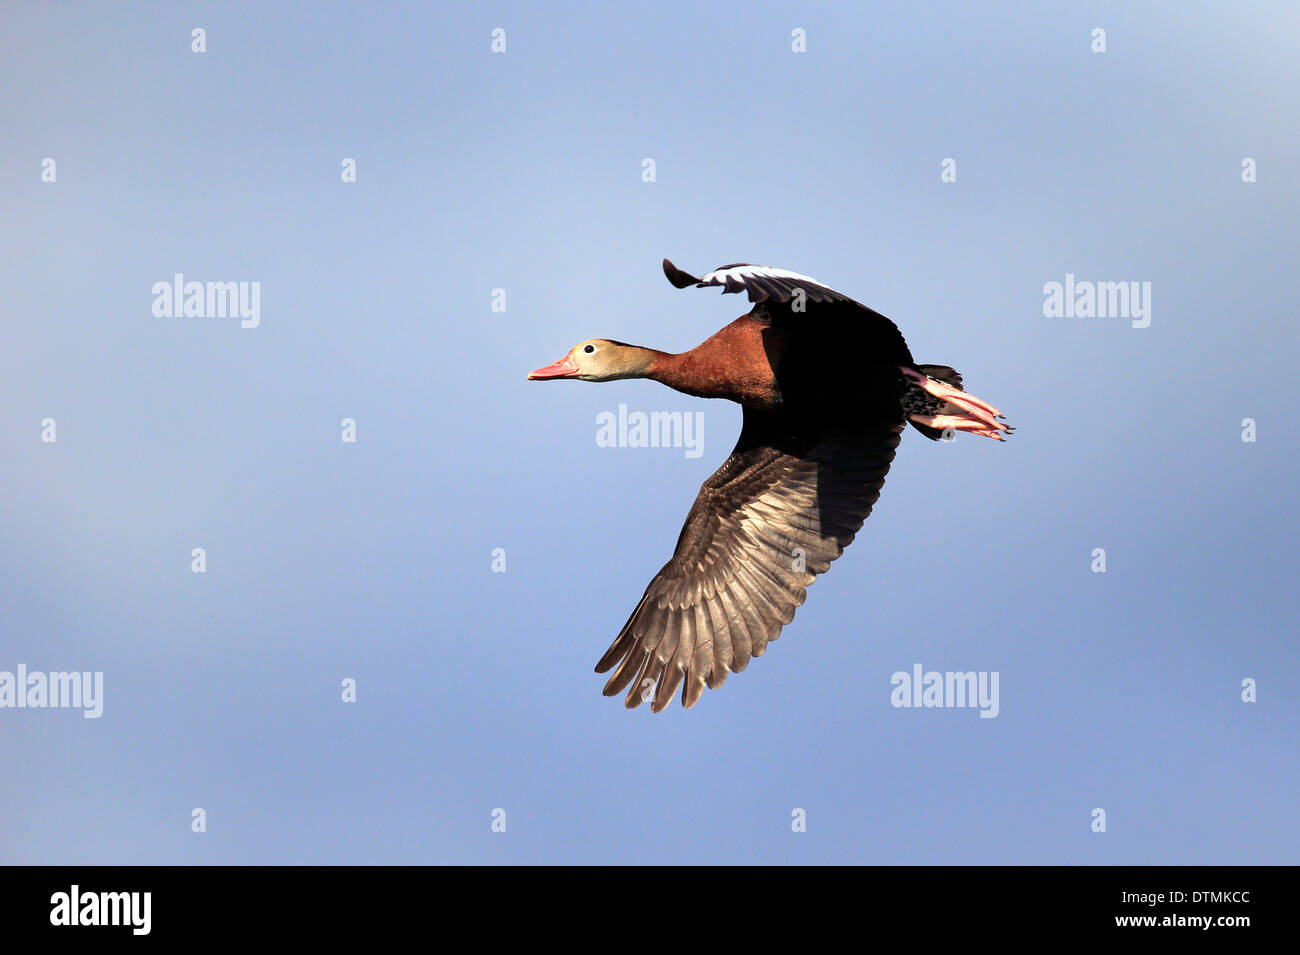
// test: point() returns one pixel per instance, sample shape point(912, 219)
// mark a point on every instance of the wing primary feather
point(734, 580)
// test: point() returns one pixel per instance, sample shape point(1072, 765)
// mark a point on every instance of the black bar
point(330, 903)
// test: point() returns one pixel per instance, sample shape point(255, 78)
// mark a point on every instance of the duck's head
point(598, 359)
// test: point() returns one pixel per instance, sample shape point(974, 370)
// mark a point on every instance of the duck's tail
point(937, 407)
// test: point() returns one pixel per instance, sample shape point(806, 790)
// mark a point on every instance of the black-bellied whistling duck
point(827, 385)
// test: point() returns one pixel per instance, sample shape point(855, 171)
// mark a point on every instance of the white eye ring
point(589, 349)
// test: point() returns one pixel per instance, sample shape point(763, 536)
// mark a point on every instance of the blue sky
point(523, 171)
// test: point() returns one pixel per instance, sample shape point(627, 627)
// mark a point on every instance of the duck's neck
point(678, 371)
point(633, 361)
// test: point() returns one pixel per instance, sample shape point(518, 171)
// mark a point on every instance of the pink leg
point(975, 415)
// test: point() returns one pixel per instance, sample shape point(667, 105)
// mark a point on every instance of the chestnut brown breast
point(739, 363)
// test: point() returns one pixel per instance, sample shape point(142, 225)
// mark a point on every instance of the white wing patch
point(763, 282)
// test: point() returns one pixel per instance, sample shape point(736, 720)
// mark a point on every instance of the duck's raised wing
point(801, 302)
point(762, 282)
point(779, 510)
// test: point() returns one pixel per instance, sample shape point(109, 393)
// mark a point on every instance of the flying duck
point(827, 386)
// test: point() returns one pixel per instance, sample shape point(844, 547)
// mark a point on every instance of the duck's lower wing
point(779, 510)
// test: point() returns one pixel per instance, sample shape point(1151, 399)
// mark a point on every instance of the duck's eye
point(588, 349)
